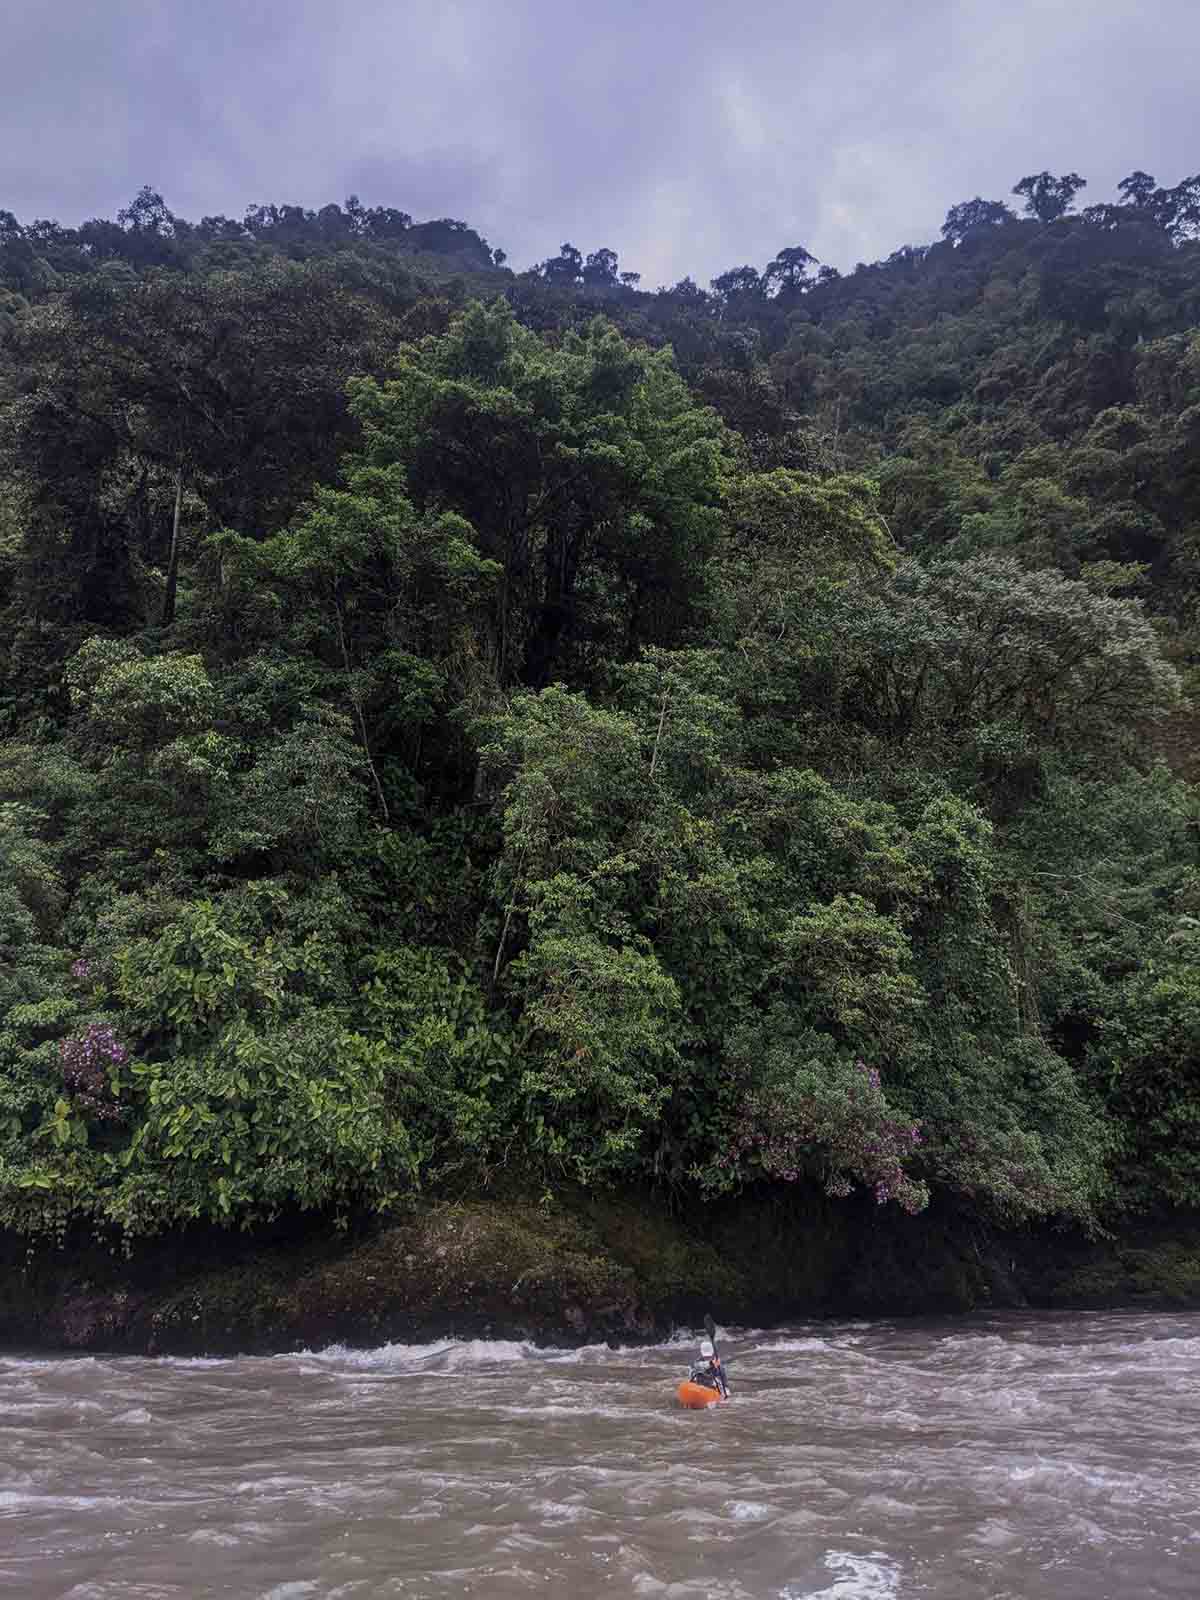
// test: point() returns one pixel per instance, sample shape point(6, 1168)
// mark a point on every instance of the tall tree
point(600, 269)
point(969, 215)
point(789, 269)
point(565, 269)
point(737, 287)
point(1046, 197)
point(228, 387)
point(586, 473)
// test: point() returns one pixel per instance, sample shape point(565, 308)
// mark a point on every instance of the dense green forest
point(460, 724)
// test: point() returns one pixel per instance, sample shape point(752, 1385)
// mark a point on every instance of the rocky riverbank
point(566, 1269)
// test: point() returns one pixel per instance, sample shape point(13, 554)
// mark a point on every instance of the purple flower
point(83, 1059)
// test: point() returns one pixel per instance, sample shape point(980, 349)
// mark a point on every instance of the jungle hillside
point(467, 728)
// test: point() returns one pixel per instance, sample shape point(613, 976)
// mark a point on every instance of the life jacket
point(706, 1374)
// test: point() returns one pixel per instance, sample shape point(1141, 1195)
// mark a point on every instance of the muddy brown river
point(1022, 1457)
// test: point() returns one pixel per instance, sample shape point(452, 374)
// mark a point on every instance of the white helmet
point(706, 1349)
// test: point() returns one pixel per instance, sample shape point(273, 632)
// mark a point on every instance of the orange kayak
point(696, 1397)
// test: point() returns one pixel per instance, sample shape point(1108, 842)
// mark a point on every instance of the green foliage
point(302, 802)
point(136, 703)
point(1108, 897)
point(36, 997)
point(826, 1118)
point(1046, 197)
point(1148, 1061)
point(585, 473)
point(984, 644)
point(700, 738)
point(664, 898)
point(455, 1063)
point(248, 1089)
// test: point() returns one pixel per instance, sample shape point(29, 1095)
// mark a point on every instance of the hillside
point(464, 727)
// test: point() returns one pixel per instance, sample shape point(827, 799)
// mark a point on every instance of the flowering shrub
point(87, 1060)
point(829, 1120)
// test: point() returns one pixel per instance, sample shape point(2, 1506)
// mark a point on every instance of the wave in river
point(1007, 1458)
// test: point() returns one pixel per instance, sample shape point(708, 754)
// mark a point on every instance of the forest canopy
point(457, 721)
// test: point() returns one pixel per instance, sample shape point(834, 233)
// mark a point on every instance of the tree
point(1137, 188)
point(251, 1091)
point(447, 236)
point(380, 597)
point(585, 472)
point(1184, 208)
point(383, 222)
point(600, 269)
point(148, 213)
point(1176, 211)
point(969, 215)
point(705, 950)
point(565, 269)
point(145, 727)
point(1012, 656)
point(225, 391)
point(789, 270)
point(36, 997)
point(791, 536)
point(589, 774)
point(737, 286)
point(1046, 197)
point(139, 703)
point(687, 292)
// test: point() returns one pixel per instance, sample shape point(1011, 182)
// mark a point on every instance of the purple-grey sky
point(688, 137)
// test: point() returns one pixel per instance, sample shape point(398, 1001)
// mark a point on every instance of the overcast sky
point(690, 137)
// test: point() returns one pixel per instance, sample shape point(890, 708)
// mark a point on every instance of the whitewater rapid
point(1021, 1457)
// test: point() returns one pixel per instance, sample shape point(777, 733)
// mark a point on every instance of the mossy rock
point(680, 1274)
point(1171, 1271)
point(507, 1269)
point(571, 1268)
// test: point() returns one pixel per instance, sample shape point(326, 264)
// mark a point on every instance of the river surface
point(1022, 1457)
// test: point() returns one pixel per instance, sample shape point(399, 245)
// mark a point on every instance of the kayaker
point(709, 1371)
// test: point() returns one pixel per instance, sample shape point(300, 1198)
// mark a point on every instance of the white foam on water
point(559, 1511)
point(278, 1484)
point(644, 1583)
point(13, 1500)
point(45, 1363)
point(456, 1355)
point(448, 1354)
point(885, 1505)
point(872, 1577)
point(1068, 1480)
point(137, 1417)
point(995, 1534)
point(748, 1511)
point(810, 1346)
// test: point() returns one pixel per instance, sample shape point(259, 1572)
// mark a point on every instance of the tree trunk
point(356, 702)
point(168, 608)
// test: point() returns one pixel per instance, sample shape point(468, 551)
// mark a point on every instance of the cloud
point(688, 137)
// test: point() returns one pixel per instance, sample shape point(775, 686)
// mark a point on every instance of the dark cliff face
point(558, 1274)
